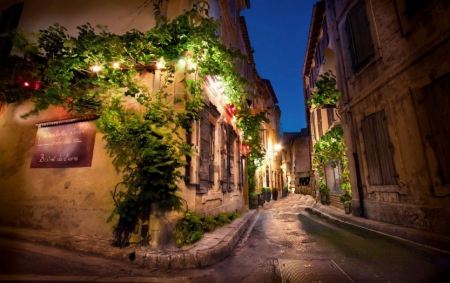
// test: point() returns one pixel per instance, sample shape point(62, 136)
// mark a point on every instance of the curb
point(211, 249)
point(202, 254)
point(428, 239)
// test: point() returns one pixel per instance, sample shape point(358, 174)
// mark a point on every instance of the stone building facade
point(391, 61)
point(78, 200)
point(269, 172)
point(296, 161)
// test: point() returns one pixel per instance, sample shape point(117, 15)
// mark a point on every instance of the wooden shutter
point(330, 116)
point(231, 157)
point(9, 21)
point(228, 158)
point(436, 99)
point(378, 150)
point(360, 37)
point(206, 153)
point(225, 161)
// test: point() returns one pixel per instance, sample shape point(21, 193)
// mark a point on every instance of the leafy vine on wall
point(325, 91)
point(90, 74)
point(331, 147)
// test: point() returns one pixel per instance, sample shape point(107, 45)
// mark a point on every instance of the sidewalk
point(212, 248)
point(432, 240)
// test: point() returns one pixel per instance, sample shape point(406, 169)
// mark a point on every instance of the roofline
point(317, 17)
point(245, 36)
point(271, 90)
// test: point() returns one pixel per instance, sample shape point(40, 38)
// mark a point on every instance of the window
point(228, 157)
point(361, 45)
point(410, 12)
point(9, 21)
point(412, 7)
point(209, 116)
point(436, 101)
point(378, 150)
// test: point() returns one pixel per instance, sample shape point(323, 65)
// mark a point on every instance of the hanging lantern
point(245, 149)
point(231, 109)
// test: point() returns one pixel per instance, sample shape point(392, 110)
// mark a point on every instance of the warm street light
point(277, 147)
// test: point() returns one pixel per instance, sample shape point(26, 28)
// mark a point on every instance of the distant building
point(391, 62)
point(296, 161)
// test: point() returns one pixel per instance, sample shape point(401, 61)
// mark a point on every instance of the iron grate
point(311, 271)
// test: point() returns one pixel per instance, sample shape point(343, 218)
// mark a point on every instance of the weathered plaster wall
point(403, 63)
point(69, 200)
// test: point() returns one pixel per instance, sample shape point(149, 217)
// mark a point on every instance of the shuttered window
point(228, 157)
point(208, 120)
point(359, 36)
point(9, 21)
point(206, 151)
point(436, 99)
point(378, 150)
point(412, 7)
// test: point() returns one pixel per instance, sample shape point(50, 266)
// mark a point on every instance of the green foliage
point(250, 122)
point(209, 224)
point(265, 189)
point(323, 189)
point(285, 188)
point(253, 160)
point(191, 227)
point(331, 147)
point(274, 189)
point(325, 91)
point(346, 197)
point(145, 143)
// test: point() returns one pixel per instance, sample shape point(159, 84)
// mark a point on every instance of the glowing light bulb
point(161, 64)
point(26, 84)
point(116, 65)
point(96, 68)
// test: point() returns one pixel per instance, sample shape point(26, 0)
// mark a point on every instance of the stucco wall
point(70, 200)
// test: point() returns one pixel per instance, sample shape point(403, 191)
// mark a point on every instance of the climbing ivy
point(89, 75)
point(325, 91)
point(331, 147)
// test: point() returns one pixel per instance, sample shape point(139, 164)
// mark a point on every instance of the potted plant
point(274, 193)
point(267, 193)
point(284, 191)
point(262, 197)
point(346, 199)
point(254, 199)
point(323, 190)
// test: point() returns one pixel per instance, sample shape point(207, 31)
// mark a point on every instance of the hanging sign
point(64, 144)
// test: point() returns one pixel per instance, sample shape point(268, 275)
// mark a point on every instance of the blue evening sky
point(278, 31)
